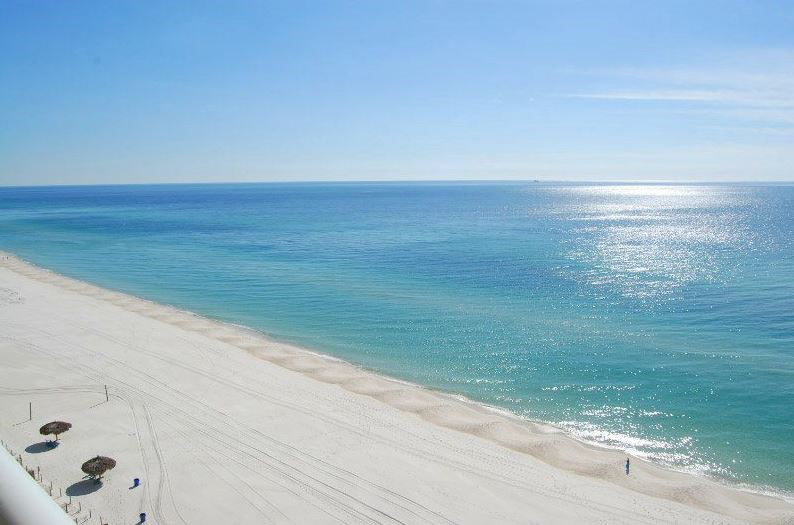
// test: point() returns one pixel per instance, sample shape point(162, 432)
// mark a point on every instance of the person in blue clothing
point(628, 464)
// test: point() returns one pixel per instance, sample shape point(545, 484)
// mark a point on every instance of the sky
point(168, 91)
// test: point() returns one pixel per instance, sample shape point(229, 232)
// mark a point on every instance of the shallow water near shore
point(654, 318)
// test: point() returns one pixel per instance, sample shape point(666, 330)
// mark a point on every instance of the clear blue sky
point(160, 91)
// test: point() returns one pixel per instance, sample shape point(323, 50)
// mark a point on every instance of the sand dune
point(225, 426)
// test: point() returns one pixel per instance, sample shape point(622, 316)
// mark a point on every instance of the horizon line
point(406, 181)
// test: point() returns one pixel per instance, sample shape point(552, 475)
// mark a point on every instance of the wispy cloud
point(673, 95)
point(757, 87)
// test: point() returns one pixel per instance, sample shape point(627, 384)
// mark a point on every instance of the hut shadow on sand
point(42, 446)
point(81, 488)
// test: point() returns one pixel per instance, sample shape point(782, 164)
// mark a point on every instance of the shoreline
point(540, 441)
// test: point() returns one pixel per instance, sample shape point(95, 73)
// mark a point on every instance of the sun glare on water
point(647, 241)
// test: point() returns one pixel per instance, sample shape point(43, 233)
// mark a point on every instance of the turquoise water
point(653, 318)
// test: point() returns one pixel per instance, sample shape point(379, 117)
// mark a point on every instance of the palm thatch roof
point(55, 427)
point(98, 465)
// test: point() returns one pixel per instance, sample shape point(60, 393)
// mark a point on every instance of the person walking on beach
point(628, 464)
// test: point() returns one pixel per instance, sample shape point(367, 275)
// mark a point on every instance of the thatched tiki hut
point(55, 427)
point(97, 466)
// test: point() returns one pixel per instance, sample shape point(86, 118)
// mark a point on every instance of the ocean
point(658, 319)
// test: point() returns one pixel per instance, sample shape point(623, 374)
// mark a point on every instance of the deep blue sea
point(653, 318)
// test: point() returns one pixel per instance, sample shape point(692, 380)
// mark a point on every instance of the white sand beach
point(224, 426)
